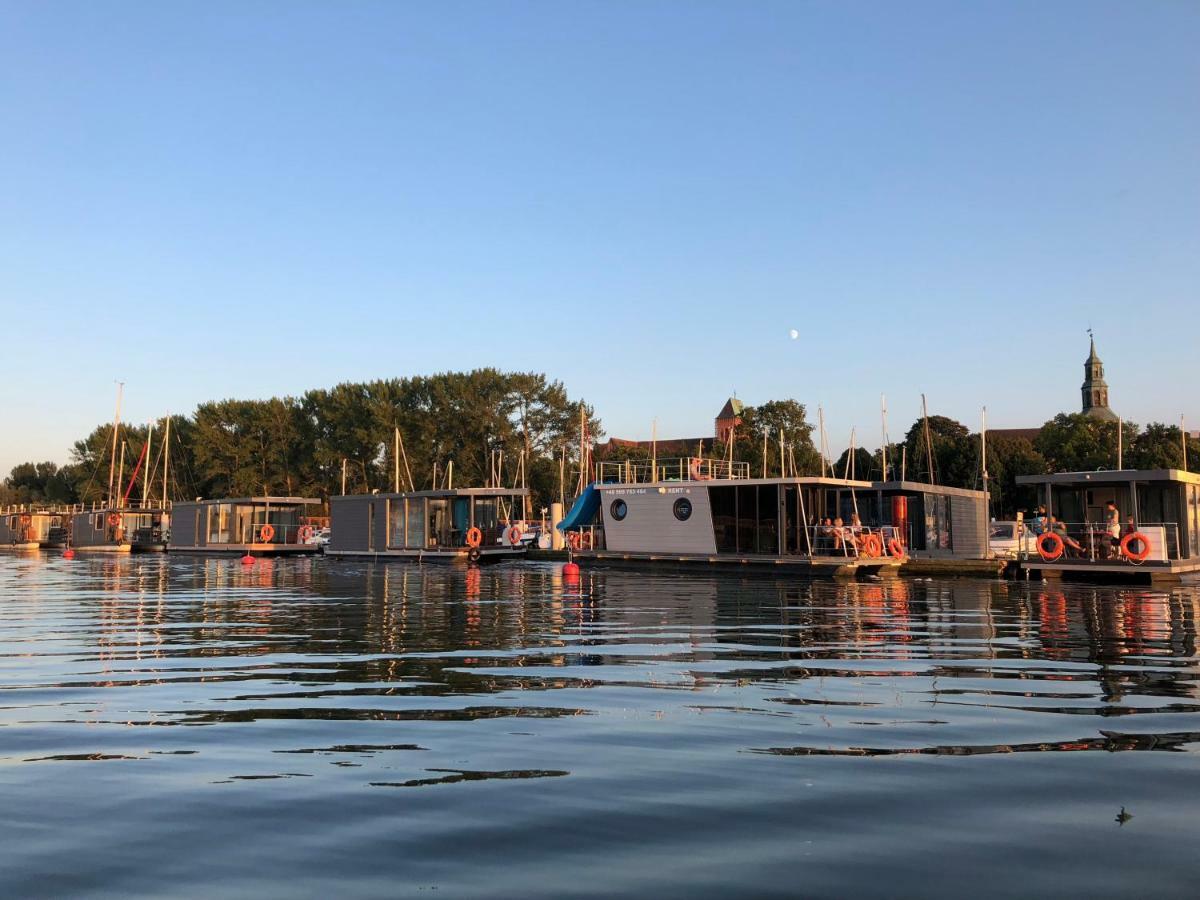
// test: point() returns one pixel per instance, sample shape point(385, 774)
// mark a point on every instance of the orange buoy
point(68, 553)
point(247, 560)
point(570, 570)
point(1050, 546)
point(1129, 539)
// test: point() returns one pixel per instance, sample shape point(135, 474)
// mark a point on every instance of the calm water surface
point(190, 727)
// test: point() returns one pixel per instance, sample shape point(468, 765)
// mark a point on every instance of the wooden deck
point(819, 566)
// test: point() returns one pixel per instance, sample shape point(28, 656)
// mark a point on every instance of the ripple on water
point(635, 733)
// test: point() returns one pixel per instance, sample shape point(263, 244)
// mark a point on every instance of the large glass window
point(768, 519)
point(414, 537)
point(218, 523)
point(438, 516)
point(937, 523)
point(395, 523)
point(724, 515)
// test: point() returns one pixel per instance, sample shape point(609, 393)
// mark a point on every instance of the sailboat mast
point(146, 477)
point(166, 457)
point(121, 469)
point(112, 459)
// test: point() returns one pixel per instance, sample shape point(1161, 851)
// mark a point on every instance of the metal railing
point(853, 541)
point(685, 468)
point(279, 534)
point(102, 505)
point(1093, 542)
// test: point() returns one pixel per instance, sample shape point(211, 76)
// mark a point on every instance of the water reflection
point(626, 694)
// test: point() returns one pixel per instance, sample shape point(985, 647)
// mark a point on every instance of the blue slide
point(584, 510)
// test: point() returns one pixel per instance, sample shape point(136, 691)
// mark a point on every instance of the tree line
point(490, 425)
point(522, 427)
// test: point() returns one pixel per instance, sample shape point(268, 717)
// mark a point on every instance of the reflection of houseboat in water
point(1151, 530)
point(137, 527)
point(32, 527)
point(455, 525)
point(711, 511)
point(255, 526)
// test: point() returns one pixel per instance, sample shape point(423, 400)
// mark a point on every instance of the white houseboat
point(695, 510)
point(481, 525)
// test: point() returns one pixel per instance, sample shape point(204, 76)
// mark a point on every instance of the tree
point(38, 483)
point(865, 466)
point(1159, 446)
point(1076, 442)
point(1009, 457)
point(955, 453)
point(770, 420)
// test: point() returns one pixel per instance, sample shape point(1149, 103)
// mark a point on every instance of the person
point(1038, 525)
point(1130, 528)
point(839, 533)
point(1112, 517)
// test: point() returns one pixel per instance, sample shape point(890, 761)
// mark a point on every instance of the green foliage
point(1160, 447)
point(1075, 442)
point(770, 419)
point(955, 453)
point(296, 445)
point(1009, 457)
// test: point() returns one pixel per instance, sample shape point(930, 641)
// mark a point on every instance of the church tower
point(1095, 388)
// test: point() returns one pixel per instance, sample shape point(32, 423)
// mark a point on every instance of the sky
point(642, 199)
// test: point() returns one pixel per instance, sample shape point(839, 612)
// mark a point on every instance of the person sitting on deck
point(840, 533)
point(1038, 524)
point(1071, 547)
point(1130, 527)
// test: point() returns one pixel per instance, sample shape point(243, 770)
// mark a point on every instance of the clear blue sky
point(213, 200)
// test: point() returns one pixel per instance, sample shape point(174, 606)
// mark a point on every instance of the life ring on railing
point(1140, 538)
point(871, 545)
point(304, 533)
point(114, 519)
point(895, 548)
point(266, 533)
point(514, 535)
point(1054, 550)
point(26, 520)
point(474, 537)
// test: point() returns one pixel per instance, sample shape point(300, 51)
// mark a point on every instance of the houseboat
point(1150, 532)
point(478, 525)
point(695, 510)
point(107, 528)
point(32, 527)
point(254, 526)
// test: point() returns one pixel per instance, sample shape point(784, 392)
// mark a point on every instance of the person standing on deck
point(1112, 517)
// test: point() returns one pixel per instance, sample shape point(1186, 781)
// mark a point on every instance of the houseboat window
point(724, 515)
point(218, 523)
point(414, 537)
point(370, 524)
point(619, 509)
point(98, 523)
point(937, 523)
point(1159, 504)
point(683, 509)
point(396, 526)
point(745, 518)
point(486, 514)
point(439, 523)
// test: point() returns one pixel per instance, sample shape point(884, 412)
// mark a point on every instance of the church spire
point(1095, 388)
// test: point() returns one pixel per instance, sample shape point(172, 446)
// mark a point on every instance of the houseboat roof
point(925, 487)
point(1112, 476)
point(281, 501)
point(445, 492)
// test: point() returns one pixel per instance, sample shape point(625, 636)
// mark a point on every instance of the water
point(187, 727)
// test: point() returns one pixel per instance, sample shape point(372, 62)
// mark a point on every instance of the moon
point(793, 334)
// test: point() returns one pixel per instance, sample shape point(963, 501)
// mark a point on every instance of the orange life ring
point(872, 545)
point(574, 539)
point(1142, 539)
point(26, 520)
point(474, 537)
point(305, 533)
point(266, 533)
point(514, 535)
point(1056, 542)
point(895, 548)
point(114, 519)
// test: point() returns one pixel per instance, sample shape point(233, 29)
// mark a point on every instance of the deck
point(817, 566)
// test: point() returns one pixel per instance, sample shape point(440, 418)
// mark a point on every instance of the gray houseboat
point(258, 526)
point(30, 527)
point(117, 529)
point(1157, 530)
point(712, 511)
point(454, 525)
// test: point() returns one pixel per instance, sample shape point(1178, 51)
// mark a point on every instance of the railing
point(102, 505)
point(1092, 542)
point(34, 509)
point(853, 541)
point(279, 534)
point(688, 468)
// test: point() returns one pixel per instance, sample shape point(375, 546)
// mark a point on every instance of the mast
point(883, 452)
point(928, 441)
point(1120, 443)
point(1183, 440)
point(146, 478)
point(821, 438)
point(112, 460)
point(166, 456)
point(121, 469)
point(396, 460)
point(983, 459)
point(654, 451)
